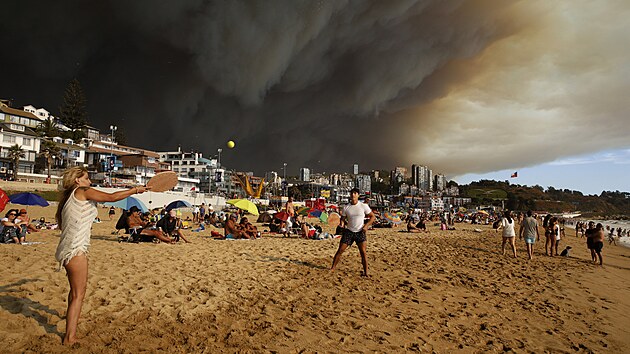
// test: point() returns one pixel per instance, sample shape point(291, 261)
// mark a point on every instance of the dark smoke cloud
point(464, 86)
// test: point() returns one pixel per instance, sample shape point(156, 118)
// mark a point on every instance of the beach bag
point(7, 234)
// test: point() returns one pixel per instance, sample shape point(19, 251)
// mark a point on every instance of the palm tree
point(49, 150)
point(48, 128)
point(15, 154)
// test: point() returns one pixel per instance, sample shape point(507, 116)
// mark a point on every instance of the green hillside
point(517, 197)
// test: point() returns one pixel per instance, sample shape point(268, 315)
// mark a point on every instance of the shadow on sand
point(26, 307)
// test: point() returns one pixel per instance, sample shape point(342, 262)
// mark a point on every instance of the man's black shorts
point(589, 243)
point(597, 246)
point(350, 237)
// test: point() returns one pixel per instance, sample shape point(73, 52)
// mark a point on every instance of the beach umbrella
point(394, 218)
point(482, 212)
point(4, 199)
point(28, 199)
point(127, 203)
point(282, 215)
point(244, 204)
point(303, 210)
point(333, 219)
point(178, 204)
point(315, 213)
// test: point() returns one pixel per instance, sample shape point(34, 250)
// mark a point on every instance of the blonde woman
point(75, 214)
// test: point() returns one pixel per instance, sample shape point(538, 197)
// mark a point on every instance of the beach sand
point(443, 291)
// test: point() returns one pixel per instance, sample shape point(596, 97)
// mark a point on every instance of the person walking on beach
point(290, 209)
point(598, 242)
point(529, 231)
point(75, 213)
point(589, 240)
point(507, 224)
point(353, 217)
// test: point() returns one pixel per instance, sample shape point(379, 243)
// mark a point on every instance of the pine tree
point(73, 110)
point(119, 137)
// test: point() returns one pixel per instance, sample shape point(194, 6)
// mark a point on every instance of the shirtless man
point(291, 211)
point(598, 242)
point(232, 230)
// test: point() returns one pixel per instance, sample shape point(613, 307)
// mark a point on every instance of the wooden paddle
point(163, 181)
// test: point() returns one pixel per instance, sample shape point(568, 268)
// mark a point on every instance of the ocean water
point(623, 224)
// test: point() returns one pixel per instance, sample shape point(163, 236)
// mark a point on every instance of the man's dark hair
point(355, 190)
point(529, 213)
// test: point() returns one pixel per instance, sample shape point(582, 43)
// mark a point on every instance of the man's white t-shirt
point(355, 214)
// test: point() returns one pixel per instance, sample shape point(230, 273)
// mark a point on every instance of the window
point(26, 141)
point(176, 169)
point(8, 139)
point(16, 127)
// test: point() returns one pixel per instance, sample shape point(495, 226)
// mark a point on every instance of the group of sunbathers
point(242, 230)
point(141, 227)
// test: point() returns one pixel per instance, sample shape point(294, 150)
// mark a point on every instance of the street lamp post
point(284, 178)
point(112, 128)
point(219, 160)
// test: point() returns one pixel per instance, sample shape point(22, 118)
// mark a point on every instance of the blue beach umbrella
point(178, 204)
point(127, 203)
point(28, 199)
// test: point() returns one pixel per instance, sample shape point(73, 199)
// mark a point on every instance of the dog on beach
point(566, 252)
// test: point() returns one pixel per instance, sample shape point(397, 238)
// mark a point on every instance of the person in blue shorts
point(529, 231)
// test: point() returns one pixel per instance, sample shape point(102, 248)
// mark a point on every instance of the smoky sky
point(465, 86)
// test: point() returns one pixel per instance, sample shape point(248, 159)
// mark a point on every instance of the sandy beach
point(443, 291)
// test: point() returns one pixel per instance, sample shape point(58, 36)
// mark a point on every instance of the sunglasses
point(12, 214)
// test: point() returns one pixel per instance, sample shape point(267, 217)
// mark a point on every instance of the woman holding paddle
point(75, 214)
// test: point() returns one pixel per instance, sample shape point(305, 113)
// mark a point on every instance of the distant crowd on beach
point(554, 232)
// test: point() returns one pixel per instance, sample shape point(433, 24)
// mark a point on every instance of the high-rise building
point(422, 177)
point(440, 182)
point(364, 183)
point(355, 169)
point(305, 174)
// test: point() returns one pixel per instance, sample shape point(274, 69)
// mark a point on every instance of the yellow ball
point(230, 144)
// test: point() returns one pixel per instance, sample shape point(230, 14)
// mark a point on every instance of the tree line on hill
point(518, 197)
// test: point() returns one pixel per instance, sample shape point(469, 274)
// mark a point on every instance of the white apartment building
point(305, 174)
point(364, 183)
point(40, 113)
point(187, 163)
